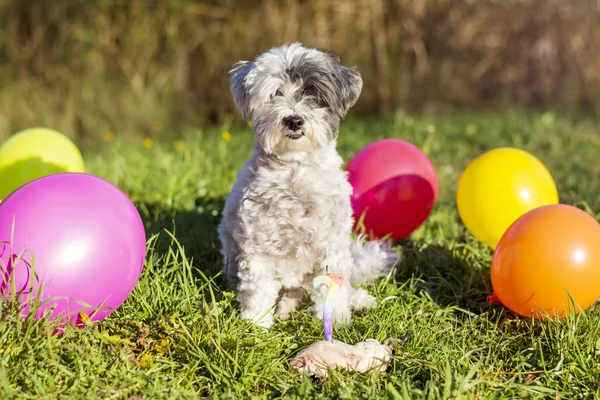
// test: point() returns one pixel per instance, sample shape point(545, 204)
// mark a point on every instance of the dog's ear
point(350, 84)
point(239, 89)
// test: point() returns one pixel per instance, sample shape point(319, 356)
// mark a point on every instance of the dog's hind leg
point(340, 304)
point(360, 300)
point(290, 301)
point(340, 260)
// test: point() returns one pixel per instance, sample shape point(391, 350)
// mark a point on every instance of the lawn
point(179, 335)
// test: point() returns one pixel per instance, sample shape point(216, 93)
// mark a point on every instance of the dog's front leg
point(258, 290)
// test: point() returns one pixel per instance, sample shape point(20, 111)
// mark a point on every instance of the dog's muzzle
point(294, 124)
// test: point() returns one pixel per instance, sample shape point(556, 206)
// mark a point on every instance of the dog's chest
point(297, 210)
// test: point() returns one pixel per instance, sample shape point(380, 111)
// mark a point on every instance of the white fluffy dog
point(289, 213)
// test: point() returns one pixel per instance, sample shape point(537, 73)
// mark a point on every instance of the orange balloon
point(548, 254)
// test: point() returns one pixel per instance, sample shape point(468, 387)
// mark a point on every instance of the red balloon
point(396, 184)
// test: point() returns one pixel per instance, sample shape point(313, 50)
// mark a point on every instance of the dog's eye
point(278, 93)
point(310, 90)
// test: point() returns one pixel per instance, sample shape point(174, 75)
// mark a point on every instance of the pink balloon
point(395, 186)
point(87, 241)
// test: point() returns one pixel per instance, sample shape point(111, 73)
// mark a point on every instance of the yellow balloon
point(33, 153)
point(500, 186)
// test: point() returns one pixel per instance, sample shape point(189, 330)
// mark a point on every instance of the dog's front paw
point(360, 300)
point(264, 320)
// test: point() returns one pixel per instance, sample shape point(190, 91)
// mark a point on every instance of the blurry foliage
point(90, 67)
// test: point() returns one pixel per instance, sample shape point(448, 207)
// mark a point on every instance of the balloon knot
point(492, 299)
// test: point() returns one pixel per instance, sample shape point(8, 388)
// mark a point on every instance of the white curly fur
point(289, 214)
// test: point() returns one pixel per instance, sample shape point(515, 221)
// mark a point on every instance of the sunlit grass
point(179, 334)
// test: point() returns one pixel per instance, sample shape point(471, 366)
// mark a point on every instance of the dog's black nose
point(293, 122)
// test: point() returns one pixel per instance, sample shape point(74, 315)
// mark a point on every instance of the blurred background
point(132, 67)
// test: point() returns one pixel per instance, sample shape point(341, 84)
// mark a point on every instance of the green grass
point(179, 335)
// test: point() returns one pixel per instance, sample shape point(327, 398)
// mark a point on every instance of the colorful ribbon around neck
point(334, 281)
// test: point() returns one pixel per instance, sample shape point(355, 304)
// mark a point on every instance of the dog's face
point(295, 97)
